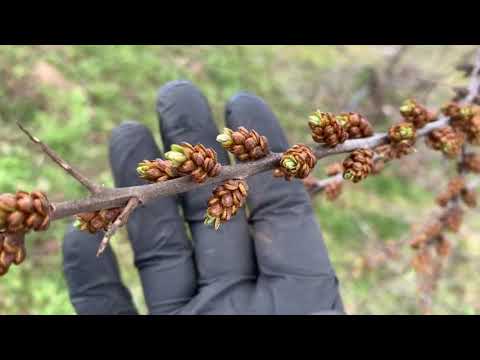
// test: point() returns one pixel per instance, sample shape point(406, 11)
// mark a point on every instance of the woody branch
point(104, 198)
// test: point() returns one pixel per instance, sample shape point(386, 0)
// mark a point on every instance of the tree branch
point(92, 187)
point(118, 197)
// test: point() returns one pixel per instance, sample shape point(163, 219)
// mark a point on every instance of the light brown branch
point(320, 185)
point(121, 220)
point(92, 187)
point(118, 197)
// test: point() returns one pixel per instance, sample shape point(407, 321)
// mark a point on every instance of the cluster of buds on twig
point(196, 161)
point(97, 220)
point(24, 211)
point(417, 114)
point(158, 170)
point(296, 162)
point(447, 140)
point(358, 165)
point(330, 129)
point(19, 214)
point(12, 250)
point(464, 128)
point(244, 144)
point(225, 201)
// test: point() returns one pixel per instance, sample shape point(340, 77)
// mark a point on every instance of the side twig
point(92, 187)
point(121, 220)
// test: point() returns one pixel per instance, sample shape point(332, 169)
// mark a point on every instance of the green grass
point(94, 88)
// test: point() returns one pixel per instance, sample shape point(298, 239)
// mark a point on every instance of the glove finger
point(185, 115)
point(94, 284)
point(287, 236)
point(162, 251)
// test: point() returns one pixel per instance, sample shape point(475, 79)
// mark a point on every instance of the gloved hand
point(272, 261)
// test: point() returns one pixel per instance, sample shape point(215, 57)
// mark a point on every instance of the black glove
point(273, 263)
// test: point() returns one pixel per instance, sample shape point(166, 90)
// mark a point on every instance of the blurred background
point(71, 97)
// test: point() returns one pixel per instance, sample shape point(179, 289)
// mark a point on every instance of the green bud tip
point(314, 120)
point(289, 163)
point(175, 157)
point(77, 224)
point(406, 132)
point(142, 169)
point(177, 148)
point(466, 111)
point(407, 106)
point(317, 118)
point(209, 219)
point(224, 139)
point(348, 175)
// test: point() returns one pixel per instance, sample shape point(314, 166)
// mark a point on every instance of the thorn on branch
point(92, 187)
point(121, 220)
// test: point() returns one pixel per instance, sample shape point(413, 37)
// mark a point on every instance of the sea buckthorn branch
point(105, 198)
point(188, 167)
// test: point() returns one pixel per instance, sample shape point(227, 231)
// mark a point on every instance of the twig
point(93, 188)
point(320, 185)
point(474, 86)
point(118, 223)
point(394, 60)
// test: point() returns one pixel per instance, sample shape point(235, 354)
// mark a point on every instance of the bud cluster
point(197, 161)
point(358, 165)
point(96, 220)
point(225, 202)
point(298, 162)
point(24, 211)
point(246, 145)
point(417, 114)
point(331, 130)
point(158, 170)
point(447, 140)
point(12, 251)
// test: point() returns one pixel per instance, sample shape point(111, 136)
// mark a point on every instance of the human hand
point(272, 262)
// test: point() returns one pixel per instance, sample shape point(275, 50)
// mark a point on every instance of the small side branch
point(121, 220)
point(92, 187)
point(320, 185)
